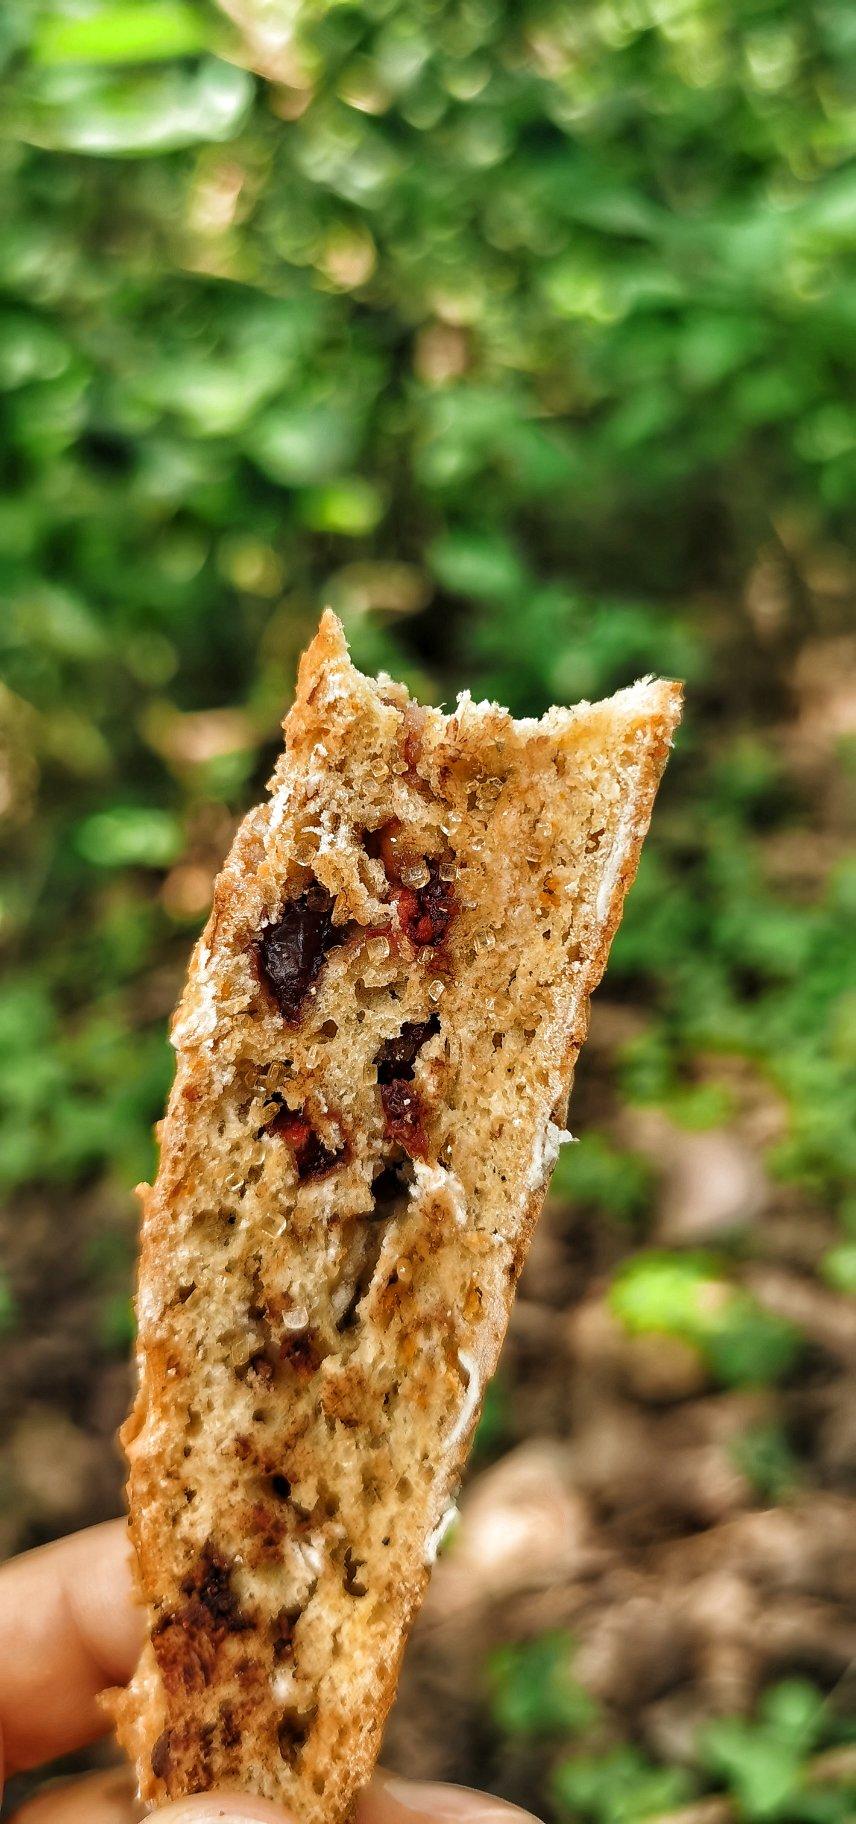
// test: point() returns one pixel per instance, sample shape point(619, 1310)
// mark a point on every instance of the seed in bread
point(375, 1049)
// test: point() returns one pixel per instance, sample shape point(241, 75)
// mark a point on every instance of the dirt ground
point(607, 1496)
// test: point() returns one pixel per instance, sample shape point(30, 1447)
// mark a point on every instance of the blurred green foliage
point(518, 333)
point(764, 1762)
point(522, 335)
point(768, 1766)
point(689, 1296)
point(533, 1690)
point(764, 1456)
point(618, 1787)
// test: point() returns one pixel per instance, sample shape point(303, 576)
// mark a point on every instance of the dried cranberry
point(397, 1057)
point(292, 951)
point(311, 1157)
point(425, 913)
point(404, 1116)
point(404, 1113)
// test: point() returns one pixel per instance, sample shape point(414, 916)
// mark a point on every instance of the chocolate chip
point(229, 1727)
point(292, 951)
point(397, 1056)
point(301, 1352)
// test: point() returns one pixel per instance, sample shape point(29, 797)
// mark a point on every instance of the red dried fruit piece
point(404, 1111)
point(291, 952)
point(425, 913)
point(404, 1116)
point(311, 1157)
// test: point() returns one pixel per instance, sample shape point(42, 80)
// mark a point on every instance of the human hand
point(69, 1628)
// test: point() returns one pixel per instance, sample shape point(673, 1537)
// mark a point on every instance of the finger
point(389, 1800)
point(69, 1627)
point(223, 1808)
point(102, 1798)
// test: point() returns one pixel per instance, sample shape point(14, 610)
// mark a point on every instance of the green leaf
point(839, 1267)
point(761, 1770)
point(533, 1691)
point(130, 836)
point(146, 31)
point(687, 1295)
point(620, 1787)
point(595, 1172)
point(351, 507)
point(305, 445)
point(76, 109)
point(116, 1324)
point(482, 565)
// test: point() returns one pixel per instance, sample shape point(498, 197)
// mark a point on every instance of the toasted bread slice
point(375, 1049)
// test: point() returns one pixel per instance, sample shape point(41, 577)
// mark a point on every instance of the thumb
point(222, 1808)
point(393, 1801)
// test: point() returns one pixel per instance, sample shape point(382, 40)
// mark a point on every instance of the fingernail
point(461, 1804)
point(222, 1808)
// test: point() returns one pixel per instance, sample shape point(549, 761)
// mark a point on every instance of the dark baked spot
point(291, 1734)
point(209, 1585)
point(388, 1188)
point(301, 1352)
point(291, 952)
point(397, 1056)
point(187, 1640)
point(185, 1659)
point(258, 1370)
point(353, 1583)
point(312, 1158)
point(283, 1632)
point(229, 1728)
point(162, 1755)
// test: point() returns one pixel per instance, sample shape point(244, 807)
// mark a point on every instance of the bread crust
point(257, 1672)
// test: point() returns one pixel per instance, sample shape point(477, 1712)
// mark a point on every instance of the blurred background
point(519, 332)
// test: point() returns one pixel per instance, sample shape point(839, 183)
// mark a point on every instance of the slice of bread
point(375, 1049)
